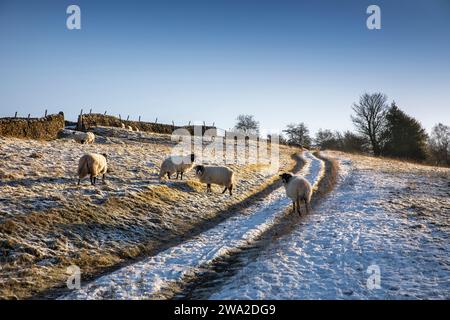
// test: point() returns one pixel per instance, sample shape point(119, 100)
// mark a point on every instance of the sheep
point(178, 164)
point(84, 137)
point(297, 189)
point(93, 164)
point(129, 128)
point(219, 175)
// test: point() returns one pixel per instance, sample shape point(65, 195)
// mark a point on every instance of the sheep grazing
point(84, 137)
point(219, 175)
point(92, 164)
point(178, 164)
point(297, 189)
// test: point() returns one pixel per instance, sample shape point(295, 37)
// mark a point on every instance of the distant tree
point(247, 124)
point(298, 134)
point(326, 139)
point(369, 119)
point(404, 136)
point(439, 144)
point(347, 141)
point(351, 142)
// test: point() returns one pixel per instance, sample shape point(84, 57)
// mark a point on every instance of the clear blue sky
point(283, 61)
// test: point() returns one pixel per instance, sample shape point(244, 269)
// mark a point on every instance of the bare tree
point(298, 134)
point(247, 124)
point(440, 143)
point(369, 118)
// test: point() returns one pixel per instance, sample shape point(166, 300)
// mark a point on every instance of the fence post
point(104, 113)
point(15, 115)
point(81, 112)
point(156, 120)
point(45, 113)
point(80, 123)
point(29, 116)
point(139, 118)
point(120, 118)
point(128, 117)
point(90, 111)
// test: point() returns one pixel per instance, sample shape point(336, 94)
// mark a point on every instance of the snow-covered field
point(382, 233)
point(48, 223)
point(384, 216)
point(147, 278)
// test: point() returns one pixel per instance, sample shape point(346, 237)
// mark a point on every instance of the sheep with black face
point(219, 175)
point(297, 189)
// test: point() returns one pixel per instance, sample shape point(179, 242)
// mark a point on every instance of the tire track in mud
point(165, 274)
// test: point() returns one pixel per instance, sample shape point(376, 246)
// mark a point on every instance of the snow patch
point(359, 225)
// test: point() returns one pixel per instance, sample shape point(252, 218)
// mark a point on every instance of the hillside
point(48, 223)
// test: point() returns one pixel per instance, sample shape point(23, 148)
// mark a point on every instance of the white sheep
point(129, 128)
point(84, 137)
point(92, 164)
point(297, 189)
point(219, 175)
point(178, 164)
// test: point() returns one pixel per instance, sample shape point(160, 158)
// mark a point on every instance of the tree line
point(382, 129)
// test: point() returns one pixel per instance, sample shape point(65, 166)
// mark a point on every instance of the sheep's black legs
point(224, 190)
point(208, 187)
point(306, 205)
point(177, 176)
point(299, 211)
point(293, 206)
point(231, 190)
point(79, 181)
point(103, 179)
point(181, 175)
point(92, 179)
point(168, 175)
